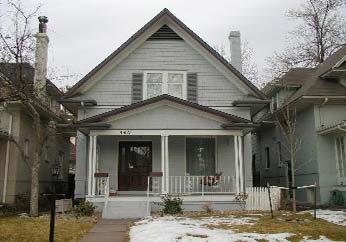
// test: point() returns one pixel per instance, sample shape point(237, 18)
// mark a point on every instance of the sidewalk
point(107, 230)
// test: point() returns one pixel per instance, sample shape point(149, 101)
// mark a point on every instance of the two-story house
point(319, 97)
point(17, 140)
point(164, 113)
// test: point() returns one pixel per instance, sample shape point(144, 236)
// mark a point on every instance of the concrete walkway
point(107, 230)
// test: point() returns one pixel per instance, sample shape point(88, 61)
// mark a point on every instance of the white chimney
point(235, 48)
point(41, 55)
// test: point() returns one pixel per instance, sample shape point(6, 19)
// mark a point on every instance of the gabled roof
point(165, 13)
point(295, 77)
point(114, 112)
point(316, 85)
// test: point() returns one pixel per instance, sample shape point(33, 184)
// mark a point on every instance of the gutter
point(249, 102)
point(7, 159)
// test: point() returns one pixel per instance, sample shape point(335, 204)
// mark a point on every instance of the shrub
point(84, 209)
point(7, 210)
point(171, 205)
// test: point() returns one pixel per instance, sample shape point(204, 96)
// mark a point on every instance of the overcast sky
point(83, 32)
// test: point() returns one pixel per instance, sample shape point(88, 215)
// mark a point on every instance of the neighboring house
point(16, 126)
point(319, 97)
point(164, 104)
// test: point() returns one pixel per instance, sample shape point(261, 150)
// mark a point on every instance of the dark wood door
point(135, 163)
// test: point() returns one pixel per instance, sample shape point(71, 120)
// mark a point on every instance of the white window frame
point(341, 178)
point(165, 82)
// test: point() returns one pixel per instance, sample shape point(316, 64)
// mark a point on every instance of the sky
point(84, 32)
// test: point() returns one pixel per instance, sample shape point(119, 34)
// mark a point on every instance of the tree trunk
point(35, 167)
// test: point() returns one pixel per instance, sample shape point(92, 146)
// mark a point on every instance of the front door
point(135, 162)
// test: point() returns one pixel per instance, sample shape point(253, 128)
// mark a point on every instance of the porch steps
point(125, 209)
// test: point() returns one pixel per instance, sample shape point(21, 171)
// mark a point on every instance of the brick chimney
point(235, 47)
point(41, 55)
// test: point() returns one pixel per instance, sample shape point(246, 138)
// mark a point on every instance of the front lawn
point(67, 228)
point(241, 226)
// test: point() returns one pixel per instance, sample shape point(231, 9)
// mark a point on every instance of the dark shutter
point(137, 87)
point(192, 85)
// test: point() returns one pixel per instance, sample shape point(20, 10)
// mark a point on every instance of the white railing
point(193, 185)
point(258, 198)
point(102, 186)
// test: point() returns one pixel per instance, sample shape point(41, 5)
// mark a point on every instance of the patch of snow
point(336, 217)
point(186, 229)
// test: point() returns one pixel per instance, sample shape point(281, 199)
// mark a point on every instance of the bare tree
point(249, 67)
point(321, 31)
point(286, 119)
point(17, 48)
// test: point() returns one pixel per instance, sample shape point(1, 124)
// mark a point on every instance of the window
point(26, 148)
point(267, 153)
point(341, 156)
point(164, 82)
point(279, 153)
point(200, 156)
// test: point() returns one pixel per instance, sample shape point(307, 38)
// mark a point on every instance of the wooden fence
point(258, 198)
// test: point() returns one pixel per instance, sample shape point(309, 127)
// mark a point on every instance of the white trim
point(164, 88)
point(163, 163)
point(90, 164)
point(7, 159)
point(236, 163)
point(167, 163)
point(94, 165)
point(182, 132)
point(241, 161)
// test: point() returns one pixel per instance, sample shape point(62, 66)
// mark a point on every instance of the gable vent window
point(164, 82)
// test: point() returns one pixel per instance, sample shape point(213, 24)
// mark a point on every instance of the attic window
point(164, 82)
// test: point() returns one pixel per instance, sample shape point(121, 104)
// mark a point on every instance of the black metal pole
point(270, 201)
point(52, 215)
point(315, 199)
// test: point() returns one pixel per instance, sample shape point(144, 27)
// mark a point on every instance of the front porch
point(139, 163)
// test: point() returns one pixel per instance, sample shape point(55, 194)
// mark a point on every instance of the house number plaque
point(125, 132)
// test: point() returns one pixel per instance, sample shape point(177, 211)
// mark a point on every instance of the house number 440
point(127, 132)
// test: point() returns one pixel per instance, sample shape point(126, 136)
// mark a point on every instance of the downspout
point(7, 159)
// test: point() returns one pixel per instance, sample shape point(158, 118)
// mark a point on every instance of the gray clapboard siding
point(115, 87)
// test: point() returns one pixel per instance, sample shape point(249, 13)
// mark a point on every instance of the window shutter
point(137, 87)
point(192, 85)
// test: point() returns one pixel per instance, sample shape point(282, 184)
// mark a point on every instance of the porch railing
point(193, 185)
point(102, 186)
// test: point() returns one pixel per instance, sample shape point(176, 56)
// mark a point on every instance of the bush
point(84, 209)
point(7, 210)
point(171, 205)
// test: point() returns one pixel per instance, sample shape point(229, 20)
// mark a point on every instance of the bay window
point(164, 82)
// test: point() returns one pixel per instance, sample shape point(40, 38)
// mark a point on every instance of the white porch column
point(94, 165)
point(163, 163)
point(167, 164)
point(241, 166)
point(91, 140)
point(236, 161)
